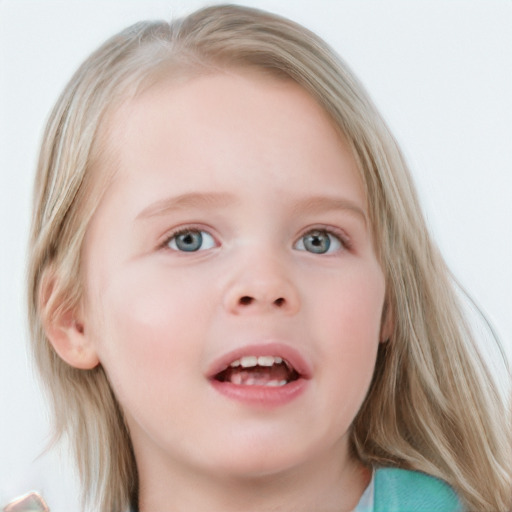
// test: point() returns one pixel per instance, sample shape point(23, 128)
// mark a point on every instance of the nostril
point(247, 300)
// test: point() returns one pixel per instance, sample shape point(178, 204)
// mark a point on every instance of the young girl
point(234, 300)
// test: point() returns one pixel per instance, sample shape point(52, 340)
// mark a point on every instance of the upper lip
point(283, 350)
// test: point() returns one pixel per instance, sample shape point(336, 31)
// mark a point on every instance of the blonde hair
point(432, 405)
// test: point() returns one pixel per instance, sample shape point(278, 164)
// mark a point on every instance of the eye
point(190, 240)
point(319, 241)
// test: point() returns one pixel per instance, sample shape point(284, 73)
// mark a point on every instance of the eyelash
point(338, 234)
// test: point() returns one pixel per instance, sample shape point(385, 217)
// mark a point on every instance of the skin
point(257, 153)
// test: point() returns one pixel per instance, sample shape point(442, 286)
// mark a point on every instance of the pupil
point(190, 241)
point(317, 242)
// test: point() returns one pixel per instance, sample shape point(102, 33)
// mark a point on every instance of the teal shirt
point(399, 490)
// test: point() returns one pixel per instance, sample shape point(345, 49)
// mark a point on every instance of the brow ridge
point(186, 200)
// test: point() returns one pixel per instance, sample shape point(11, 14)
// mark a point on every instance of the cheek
point(149, 327)
point(352, 303)
point(350, 323)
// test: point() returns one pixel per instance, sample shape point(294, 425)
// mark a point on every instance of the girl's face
point(233, 294)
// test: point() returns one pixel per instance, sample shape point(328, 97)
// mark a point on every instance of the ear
point(387, 324)
point(65, 329)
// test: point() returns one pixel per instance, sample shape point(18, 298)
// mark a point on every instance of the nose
point(261, 286)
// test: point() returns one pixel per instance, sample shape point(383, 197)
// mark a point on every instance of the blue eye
point(191, 240)
point(319, 241)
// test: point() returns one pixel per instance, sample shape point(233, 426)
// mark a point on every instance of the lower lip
point(266, 396)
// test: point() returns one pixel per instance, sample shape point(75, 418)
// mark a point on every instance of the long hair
point(432, 405)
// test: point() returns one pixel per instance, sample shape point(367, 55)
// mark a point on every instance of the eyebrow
point(315, 204)
point(188, 200)
point(320, 204)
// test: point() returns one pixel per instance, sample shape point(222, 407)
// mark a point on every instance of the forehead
point(211, 130)
point(238, 113)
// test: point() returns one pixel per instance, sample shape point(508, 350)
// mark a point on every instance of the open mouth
point(270, 371)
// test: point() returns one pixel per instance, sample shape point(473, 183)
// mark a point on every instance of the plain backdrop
point(440, 72)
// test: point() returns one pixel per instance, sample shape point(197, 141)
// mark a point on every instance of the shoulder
point(400, 490)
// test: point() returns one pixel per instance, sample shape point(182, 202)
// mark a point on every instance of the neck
point(328, 484)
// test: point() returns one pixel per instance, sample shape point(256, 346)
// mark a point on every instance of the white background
point(440, 71)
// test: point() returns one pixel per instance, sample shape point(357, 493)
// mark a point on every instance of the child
point(234, 300)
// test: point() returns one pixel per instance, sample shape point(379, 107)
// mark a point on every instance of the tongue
point(259, 375)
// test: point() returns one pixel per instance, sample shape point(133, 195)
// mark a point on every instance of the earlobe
point(65, 330)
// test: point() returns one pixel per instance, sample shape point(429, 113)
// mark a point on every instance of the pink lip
point(262, 395)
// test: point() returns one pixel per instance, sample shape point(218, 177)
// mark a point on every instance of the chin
point(256, 459)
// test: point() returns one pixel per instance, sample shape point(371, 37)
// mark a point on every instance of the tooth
point(250, 381)
point(265, 361)
point(278, 360)
point(248, 361)
point(236, 379)
point(276, 383)
point(236, 363)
